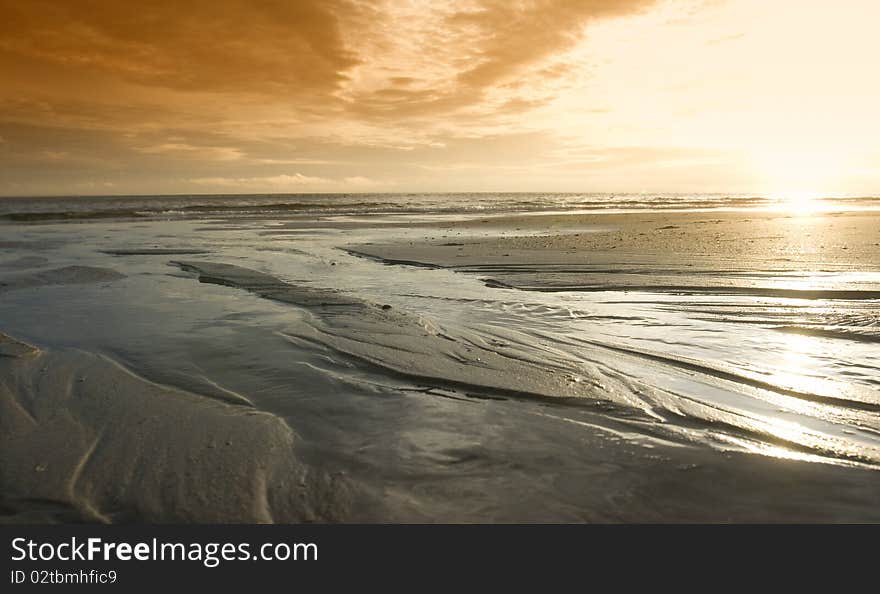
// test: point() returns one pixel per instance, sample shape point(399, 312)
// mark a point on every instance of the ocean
point(402, 204)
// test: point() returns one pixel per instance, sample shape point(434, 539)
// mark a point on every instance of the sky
point(244, 96)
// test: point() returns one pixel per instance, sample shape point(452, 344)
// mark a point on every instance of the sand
point(84, 439)
point(850, 238)
point(412, 346)
point(153, 251)
point(339, 403)
point(498, 362)
point(652, 251)
point(68, 275)
point(23, 263)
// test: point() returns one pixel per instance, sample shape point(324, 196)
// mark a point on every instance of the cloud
point(295, 182)
point(430, 58)
point(297, 179)
point(370, 58)
point(512, 35)
point(319, 95)
point(95, 185)
point(56, 155)
point(213, 153)
point(199, 45)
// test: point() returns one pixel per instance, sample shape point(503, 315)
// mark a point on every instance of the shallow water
point(472, 402)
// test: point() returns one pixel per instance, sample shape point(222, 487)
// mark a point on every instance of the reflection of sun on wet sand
point(765, 252)
point(765, 240)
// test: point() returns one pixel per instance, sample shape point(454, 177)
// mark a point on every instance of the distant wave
point(77, 208)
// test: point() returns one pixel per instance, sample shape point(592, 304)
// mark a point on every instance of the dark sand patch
point(266, 285)
point(12, 244)
point(154, 251)
point(10, 347)
point(67, 275)
point(24, 263)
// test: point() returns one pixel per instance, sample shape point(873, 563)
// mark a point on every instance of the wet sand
point(766, 239)
point(83, 439)
point(674, 252)
point(233, 386)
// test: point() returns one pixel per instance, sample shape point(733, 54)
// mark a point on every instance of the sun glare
point(796, 179)
point(800, 203)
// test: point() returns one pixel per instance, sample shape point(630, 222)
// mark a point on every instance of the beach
point(359, 359)
point(777, 239)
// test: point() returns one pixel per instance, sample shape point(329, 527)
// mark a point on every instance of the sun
point(799, 203)
point(796, 178)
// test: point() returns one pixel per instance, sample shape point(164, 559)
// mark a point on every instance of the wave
point(67, 275)
point(279, 205)
point(35, 217)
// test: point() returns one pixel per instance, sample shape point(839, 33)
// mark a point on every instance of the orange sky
point(108, 97)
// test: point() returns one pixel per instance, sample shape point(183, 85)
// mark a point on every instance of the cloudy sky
point(220, 96)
